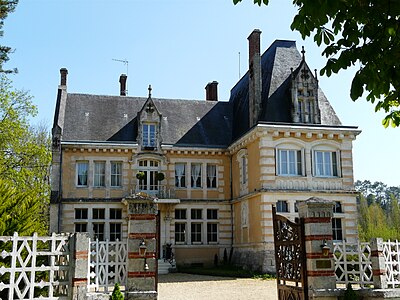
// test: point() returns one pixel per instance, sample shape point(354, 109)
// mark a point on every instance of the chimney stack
point(212, 91)
point(255, 85)
point(122, 81)
point(63, 72)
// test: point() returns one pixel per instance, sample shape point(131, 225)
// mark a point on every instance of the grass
point(224, 271)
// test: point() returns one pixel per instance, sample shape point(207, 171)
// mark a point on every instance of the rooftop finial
point(150, 90)
point(303, 52)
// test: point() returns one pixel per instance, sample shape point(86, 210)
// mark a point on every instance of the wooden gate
point(290, 258)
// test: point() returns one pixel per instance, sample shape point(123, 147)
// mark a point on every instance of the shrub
point(117, 294)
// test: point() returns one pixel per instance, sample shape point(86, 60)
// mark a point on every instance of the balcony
point(159, 191)
point(309, 183)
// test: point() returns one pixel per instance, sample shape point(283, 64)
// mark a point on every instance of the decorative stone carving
point(141, 203)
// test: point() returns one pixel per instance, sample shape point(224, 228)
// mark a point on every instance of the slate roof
point(276, 64)
point(96, 118)
point(194, 123)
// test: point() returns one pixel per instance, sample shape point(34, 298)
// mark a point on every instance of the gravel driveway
point(179, 286)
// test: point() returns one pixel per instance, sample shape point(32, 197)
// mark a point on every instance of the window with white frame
point(82, 168)
point(212, 214)
point(81, 227)
point(99, 174)
point(180, 175)
point(196, 236)
point(212, 227)
point(212, 233)
point(115, 231)
point(282, 206)
point(195, 169)
point(325, 163)
point(211, 176)
point(289, 162)
point(196, 214)
point(81, 213)
point(337, 208)
point(180, 214)
point(337, 230)
point(180, 233)
point(101, 222)
point(116, 174)
point(149, 135)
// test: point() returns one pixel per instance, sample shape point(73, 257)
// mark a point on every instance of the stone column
point(317, 214)
point(79, 245)
point(142, 269)
point(378, 264)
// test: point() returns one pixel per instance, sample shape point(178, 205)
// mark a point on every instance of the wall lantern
point(142, 248)
point(325, 248)
point(142, 253)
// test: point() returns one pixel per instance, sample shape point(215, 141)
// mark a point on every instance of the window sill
point(82, 186)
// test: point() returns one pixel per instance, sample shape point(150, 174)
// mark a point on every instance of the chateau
point(215, 168)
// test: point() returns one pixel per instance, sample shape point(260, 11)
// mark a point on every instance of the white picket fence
point(107, 265)
point(353, 263)
point(34, 267)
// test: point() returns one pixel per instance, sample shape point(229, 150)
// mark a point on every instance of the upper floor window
point(149, 135)
point(212, 214)
point(116, 174)
point(244, 169)
point(82, 173)
point(289, 162)
point(211, 176)
point(99, 173)
point(180, 172)
point(325, 163)
point(196, 175)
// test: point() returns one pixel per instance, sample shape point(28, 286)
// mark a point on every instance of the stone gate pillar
point(317, 214)
point(142, 258)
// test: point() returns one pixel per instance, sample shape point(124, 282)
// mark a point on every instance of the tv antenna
point(125, 62)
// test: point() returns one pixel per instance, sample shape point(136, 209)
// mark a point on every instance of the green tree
point(117, 294)
point(24, 151)
point(6, 7)
point(366, 32)
point(19, 211)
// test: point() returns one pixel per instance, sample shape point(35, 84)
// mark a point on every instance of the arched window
point(326, 161)
point(289, 159)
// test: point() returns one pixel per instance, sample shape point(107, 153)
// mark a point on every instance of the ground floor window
point(337, 230)
point(102, 222)
point(180, 232)
point(200, 226)
point(212, 233)
point(196, 233)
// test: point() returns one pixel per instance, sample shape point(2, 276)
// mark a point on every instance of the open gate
point(290, 258)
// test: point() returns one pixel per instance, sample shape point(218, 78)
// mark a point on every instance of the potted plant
point(160, 176)
point(140, 175)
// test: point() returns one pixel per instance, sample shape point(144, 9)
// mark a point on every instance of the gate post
point(79, 265)
point(142, 243)
point(317, 215)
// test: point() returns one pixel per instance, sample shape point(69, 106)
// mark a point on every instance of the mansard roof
point(97, 118)
point(191, 123)
point(276, 64)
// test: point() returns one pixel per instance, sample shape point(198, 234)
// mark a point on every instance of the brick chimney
point(64, 73)
point(212, 91)
point(254, 77)
point(122, 81)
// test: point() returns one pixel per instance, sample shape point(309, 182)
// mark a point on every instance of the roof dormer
point(304, 94)
point(149, 131)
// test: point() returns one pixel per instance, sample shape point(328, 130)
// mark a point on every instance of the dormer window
point(149, 135)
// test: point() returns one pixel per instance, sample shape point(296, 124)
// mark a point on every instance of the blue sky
point(177, 46)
